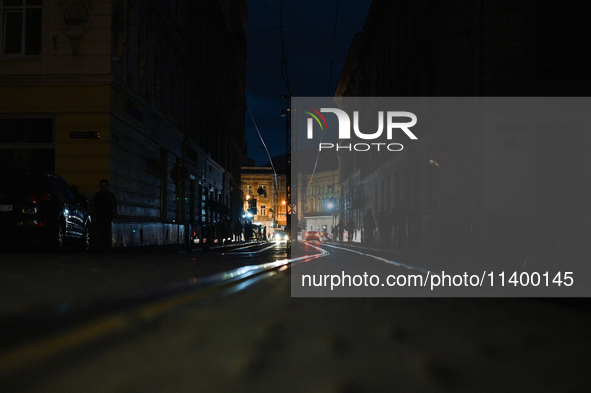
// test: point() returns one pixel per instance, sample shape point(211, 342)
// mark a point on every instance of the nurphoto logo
point(391, 118)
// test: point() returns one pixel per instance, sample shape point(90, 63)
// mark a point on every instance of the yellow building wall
point(74, 108)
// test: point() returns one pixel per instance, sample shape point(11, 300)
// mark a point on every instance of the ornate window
point(20, 27)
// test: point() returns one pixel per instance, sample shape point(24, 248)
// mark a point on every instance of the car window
point(59, 187)
point(68, 191)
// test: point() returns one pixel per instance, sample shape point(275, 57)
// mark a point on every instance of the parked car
point(39, 207)
point(312, 235)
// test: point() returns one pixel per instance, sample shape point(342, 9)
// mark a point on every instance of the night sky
point(311, 43)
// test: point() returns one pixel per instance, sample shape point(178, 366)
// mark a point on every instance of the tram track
point(34, 337)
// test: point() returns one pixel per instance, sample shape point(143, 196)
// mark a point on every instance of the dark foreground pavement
point(260, 339)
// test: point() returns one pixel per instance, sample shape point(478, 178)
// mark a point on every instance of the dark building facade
point(148, 94)
point(518, 193)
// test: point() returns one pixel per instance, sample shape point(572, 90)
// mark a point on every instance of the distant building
point(264, 192)
point(318, 188)
point(511, 193)
point(148, 94)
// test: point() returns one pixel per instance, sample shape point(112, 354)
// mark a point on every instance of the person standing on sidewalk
point(350, 231)
point(237, 230)
point(79, 198)
point(399, 218)
point(104, 209)
point(369, 224)
point(385, 228)
point(341, 230)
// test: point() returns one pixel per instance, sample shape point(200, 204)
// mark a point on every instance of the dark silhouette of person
point(247, 231)
point(385, 227)
point(225, 230)
point(341, 231)
point(350, 231)
point(104, 209)
point(399, 219)
point(237, 230)
point(414, 229)
point(210, 234)
point(369, 224)
point(79, 198)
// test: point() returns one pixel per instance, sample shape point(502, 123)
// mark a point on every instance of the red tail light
point(35, 198)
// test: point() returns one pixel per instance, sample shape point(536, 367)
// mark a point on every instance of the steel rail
point(29, 340)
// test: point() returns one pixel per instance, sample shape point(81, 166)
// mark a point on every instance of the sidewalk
point(180, 248)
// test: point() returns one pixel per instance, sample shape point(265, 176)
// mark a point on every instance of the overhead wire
point(285, 77)
point(334, 35)
point(265, 146)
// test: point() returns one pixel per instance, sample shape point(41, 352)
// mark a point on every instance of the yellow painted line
point(34, 353)
point(43, 349)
